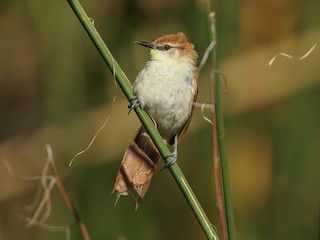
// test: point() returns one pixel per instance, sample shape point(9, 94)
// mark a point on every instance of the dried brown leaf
point(137, 168)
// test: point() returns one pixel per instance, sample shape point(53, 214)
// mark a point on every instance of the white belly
point(166, 92)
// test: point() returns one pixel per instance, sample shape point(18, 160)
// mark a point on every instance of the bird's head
point(171, 47)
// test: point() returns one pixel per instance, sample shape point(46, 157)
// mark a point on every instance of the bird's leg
point(134, 103)
point(173, 155)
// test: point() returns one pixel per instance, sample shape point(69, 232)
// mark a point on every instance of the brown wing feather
point(186, 125)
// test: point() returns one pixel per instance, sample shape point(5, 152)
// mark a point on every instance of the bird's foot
point(173, 155)
point(134, 103)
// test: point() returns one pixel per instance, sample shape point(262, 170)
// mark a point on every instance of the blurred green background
point(55, 88)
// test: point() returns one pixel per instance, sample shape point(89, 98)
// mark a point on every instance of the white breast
point(165, 90)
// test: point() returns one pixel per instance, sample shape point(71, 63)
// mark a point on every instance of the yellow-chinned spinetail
point(166, 89)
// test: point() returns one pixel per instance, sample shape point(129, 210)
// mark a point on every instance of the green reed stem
point(126, 86)
point(221, 132)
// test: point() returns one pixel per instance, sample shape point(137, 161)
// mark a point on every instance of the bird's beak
point(146, 44)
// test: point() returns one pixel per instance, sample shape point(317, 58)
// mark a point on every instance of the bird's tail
point(137, 167)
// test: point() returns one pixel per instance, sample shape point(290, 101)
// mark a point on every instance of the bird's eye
point(166, 47)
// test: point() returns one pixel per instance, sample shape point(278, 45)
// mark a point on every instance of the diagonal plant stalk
point(221, 131)
point(145, 120)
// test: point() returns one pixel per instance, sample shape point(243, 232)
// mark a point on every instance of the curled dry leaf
point(137, 168)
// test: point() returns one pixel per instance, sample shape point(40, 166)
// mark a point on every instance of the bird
point(166, 88)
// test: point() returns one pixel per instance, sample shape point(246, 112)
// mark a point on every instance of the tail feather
point(137, 167)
